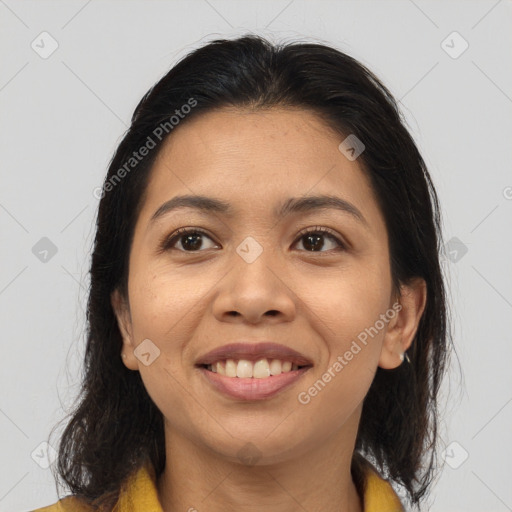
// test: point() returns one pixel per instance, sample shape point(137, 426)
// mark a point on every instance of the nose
point(251, 292)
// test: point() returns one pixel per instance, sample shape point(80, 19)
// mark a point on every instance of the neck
point(196, 478)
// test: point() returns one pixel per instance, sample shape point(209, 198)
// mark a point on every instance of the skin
point(316, 302)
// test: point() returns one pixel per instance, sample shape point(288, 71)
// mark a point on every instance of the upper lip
point(254, 352)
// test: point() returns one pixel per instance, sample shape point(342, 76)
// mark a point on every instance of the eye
point(189, 238)
point(314, 236)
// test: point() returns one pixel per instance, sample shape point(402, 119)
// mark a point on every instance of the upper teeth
point(246, 369)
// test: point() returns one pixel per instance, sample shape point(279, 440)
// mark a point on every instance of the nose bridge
point(256, 264)
point(253, 285)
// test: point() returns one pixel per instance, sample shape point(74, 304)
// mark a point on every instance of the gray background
point(63, 115)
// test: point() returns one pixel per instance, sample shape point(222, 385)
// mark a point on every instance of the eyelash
point(168, 242)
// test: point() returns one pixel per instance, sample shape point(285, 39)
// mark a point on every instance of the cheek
point(349, 322)
point(162, 310)
point(348, 310)
point(160, 303)
point(166, 308)
point(171, 395)
point(346, 301)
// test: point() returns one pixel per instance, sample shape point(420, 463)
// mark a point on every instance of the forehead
point(248, 138)
point(256, 160)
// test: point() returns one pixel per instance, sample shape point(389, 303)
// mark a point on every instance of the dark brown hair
point(115, 427)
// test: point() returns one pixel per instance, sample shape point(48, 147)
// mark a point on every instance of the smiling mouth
point(245, 369)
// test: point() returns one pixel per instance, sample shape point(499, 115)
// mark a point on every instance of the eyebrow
point(290, 206)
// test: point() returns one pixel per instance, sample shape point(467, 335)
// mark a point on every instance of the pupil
point(188, 238)
point(311, 237)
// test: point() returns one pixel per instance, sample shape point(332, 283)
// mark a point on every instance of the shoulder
point(138, 489)
point(67, 504)
point(379, 495)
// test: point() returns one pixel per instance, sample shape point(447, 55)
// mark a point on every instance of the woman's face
point(251, 276)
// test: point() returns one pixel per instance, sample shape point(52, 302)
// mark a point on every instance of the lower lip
point(253, 389)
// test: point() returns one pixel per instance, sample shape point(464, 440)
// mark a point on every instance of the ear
point(402, 328)
point(124, 322)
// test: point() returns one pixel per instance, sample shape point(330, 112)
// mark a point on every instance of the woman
point(267, 315)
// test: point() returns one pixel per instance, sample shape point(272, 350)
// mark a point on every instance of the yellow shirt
point(139, 494)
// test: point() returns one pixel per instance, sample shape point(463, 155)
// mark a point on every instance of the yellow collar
point(140, 494)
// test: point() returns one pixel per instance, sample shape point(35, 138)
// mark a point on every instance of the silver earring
point(405, 356)
point(124, 356)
